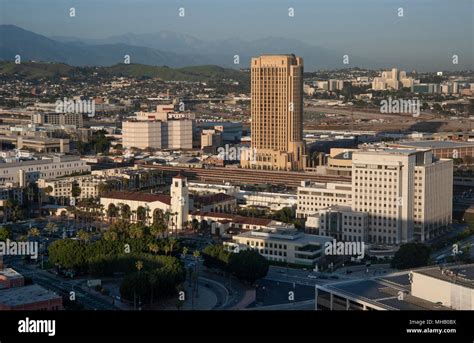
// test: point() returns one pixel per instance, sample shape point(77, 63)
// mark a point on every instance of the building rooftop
point(288, 235)
point(48, 160)
point(347, 155)
point(210, 199)
point(383, 292)
point(434, 144)
point(386, 151)
point(10, 273)
point(138, 196)
point(18, 296)
point(235, 218)
point(460, 275)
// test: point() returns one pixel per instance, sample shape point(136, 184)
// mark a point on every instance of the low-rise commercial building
point(341, 223)
point(441, 149)
point(25, 172)
point(429, 288)
point(30, 298)
point(452, 287)
point(281, 243)
point(10, 278)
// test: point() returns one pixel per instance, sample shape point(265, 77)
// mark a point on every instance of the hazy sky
point(368, 28)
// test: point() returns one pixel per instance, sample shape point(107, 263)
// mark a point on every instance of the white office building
point(24, 172)
point(406, 193)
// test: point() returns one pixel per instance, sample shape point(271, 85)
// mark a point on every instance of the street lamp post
point(315, 297)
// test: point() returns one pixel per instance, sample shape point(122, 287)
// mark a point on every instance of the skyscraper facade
point(277, 113)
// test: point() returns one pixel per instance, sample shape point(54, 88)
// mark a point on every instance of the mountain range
point(39, 70)
point(163, 48)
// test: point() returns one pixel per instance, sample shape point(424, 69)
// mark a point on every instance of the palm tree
point(51, 228)
point(195, 225)
point(7, 207)
point(48, 190)
point(112, 211)
point(110, 235)
point(139, 266)
point(196, 255)
point(153, 247)
point(167, 219)
point(175, 225)
point(172, 243)
point(33, 232)
point(144, 180)
point(141, 214)
point(154, 278)
point(136, 231)
point(83, 236)
point(40, 201)
point(125, 212)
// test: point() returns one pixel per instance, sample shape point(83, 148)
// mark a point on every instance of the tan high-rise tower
point(277, 113)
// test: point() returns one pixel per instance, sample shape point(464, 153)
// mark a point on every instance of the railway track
point(247, 176)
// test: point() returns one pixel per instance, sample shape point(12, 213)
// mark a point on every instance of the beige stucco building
point(141, 134)
point(407, 194)
point(313, 197)
point(277, 113)
point(146, 207)
point(171, 134)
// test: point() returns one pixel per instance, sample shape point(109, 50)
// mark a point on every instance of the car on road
point(311, 276)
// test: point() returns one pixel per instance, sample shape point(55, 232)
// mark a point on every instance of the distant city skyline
point(428, 34)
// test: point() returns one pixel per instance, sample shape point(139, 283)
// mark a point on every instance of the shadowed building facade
point(277, 113)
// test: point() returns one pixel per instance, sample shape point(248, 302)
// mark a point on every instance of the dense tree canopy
point(98, 143)
point(411, 255)
point(248, 265)
point(5, 233)
point(159, 278)
point(67, 253)
point(215, 256)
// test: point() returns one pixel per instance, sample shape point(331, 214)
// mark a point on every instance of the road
point(299, 276)
point(229, 291)
point(448, 251)
point(270, 293)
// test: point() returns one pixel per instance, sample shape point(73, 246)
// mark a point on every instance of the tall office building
point(277, 113)
point(392, 79)
point(407, 194)
point(171, 134)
